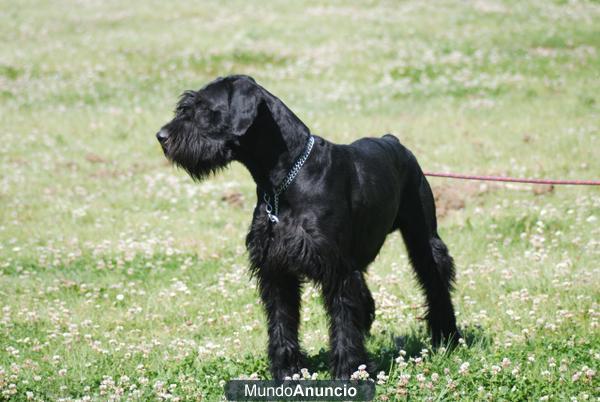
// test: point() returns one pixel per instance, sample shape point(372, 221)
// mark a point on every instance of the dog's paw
point(354, 370)
point(293, 366)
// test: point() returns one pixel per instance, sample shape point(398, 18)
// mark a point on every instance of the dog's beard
point(199, 158)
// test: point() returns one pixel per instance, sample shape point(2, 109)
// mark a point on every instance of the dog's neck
point(273, 143)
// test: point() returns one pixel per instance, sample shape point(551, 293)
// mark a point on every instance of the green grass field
point(121, 279)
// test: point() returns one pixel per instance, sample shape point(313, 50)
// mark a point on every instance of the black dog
point(323, 212)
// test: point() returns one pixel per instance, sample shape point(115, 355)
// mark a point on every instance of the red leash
point(515, 179)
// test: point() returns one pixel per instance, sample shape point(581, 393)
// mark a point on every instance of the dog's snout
point(162, 136)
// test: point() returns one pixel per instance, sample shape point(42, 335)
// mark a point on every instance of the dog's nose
point(162, 136)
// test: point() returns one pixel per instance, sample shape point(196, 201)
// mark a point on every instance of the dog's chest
point(287, 246)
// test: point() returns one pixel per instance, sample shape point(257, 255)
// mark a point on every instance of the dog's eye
point(214, 116)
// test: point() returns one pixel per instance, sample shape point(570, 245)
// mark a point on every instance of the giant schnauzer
point(322, 213)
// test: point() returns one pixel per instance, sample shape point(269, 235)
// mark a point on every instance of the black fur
point(333, 219)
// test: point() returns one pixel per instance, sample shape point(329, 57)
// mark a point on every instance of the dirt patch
point(455, 197)
point(233, 198)
point(543, 189)
point(94, 158)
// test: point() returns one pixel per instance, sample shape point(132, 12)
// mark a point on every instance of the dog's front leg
point(347, 316)
point(280, 294)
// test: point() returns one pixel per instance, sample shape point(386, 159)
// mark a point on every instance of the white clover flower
point(381, 378)
point(404, 378)
point(361, 373)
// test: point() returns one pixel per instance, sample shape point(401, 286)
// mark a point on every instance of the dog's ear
point(246, 99)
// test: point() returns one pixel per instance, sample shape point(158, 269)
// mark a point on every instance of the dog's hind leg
point(281, 298)
point(428, 254)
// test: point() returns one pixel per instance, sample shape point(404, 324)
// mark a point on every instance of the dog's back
point(384, 150)
point(380, 162)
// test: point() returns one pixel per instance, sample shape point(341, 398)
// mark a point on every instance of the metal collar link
point(273, 209)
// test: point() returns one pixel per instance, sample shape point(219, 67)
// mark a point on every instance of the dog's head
point(208, 124)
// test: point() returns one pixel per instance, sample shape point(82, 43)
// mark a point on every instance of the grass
point(120, 278)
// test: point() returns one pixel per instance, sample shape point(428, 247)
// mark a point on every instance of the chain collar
point(273, 209)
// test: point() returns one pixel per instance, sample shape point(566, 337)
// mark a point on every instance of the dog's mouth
point(199, 157)
point(165, 151)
